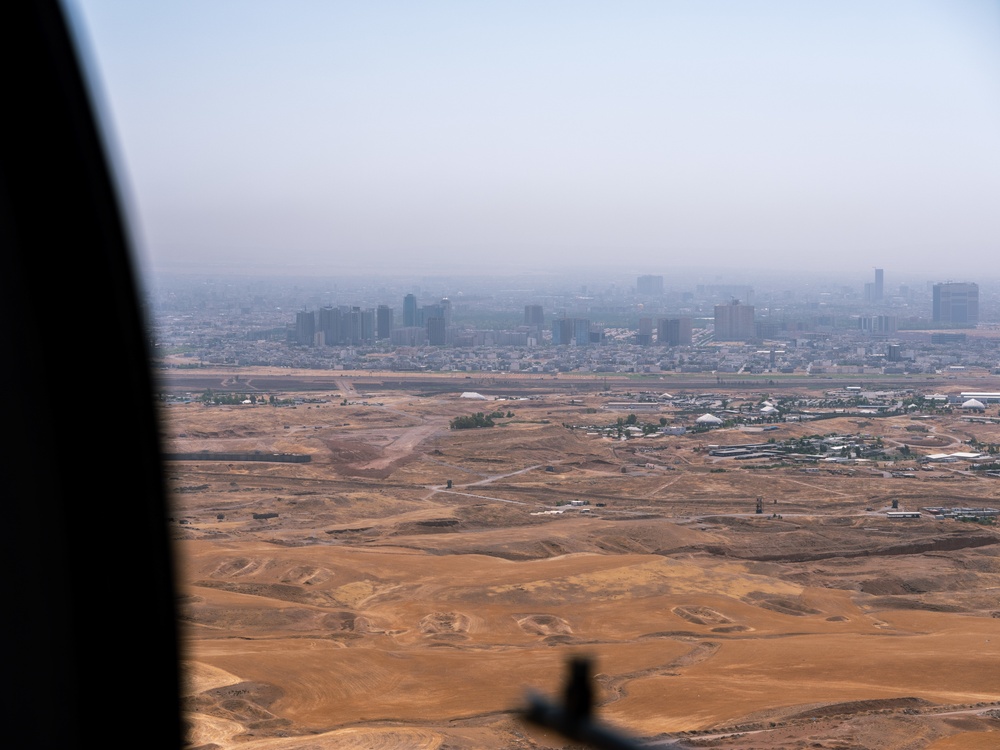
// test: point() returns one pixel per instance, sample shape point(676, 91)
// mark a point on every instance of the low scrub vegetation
point(479, 419)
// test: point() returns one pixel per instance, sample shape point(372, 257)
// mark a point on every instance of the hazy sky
point(386, 135)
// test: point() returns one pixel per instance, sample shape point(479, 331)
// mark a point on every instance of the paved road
point(275, 379)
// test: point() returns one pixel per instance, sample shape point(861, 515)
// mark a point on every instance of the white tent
point(473, 394)
point(708, 419)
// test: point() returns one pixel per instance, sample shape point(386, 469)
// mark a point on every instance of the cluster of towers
point(337, 326)
point(954, 304)
point(332, 326)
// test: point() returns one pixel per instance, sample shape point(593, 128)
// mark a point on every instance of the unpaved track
point(403, 445)
point(496, 477)
point(480, 497)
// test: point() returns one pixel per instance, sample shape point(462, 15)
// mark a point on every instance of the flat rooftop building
point(957, 304)
point(734, 322)
point(674, 332)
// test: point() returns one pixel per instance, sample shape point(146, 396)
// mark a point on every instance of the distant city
point(647, 323)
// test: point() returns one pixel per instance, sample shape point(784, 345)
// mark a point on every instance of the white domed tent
point(709, 420)
point(974, 404)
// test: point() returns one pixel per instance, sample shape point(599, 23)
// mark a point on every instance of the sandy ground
point(375, 607)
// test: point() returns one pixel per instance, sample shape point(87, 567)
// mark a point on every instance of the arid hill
point(358, 600)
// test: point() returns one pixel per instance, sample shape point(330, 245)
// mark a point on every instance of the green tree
point(475, 420)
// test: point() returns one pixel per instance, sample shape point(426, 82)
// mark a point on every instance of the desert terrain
point(407, 585)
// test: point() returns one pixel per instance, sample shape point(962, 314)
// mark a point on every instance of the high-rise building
point(352, 326)
point(410, 311)
point(879, 289)
point(436, 331)
point(441, 310)
point(562, 331)
point(305, 327)
point(956, 304)
point(534, 316)
point(383, 322)
point(329, 325)
point(368, 325)
point(571, 331)
point(358, 326)
point(674, 332)
point(645, 337)
point(734, 322)
point(649, 286)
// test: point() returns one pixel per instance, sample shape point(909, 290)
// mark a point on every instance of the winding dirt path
point(615, 685)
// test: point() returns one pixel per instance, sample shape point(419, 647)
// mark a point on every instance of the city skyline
point(489, 316)
point(227, 321)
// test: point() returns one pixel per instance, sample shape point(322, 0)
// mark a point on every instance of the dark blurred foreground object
point(90, 654)
point(574, 719)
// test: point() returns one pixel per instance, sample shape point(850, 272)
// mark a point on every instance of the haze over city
point(656, 338)
point(371, 137)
